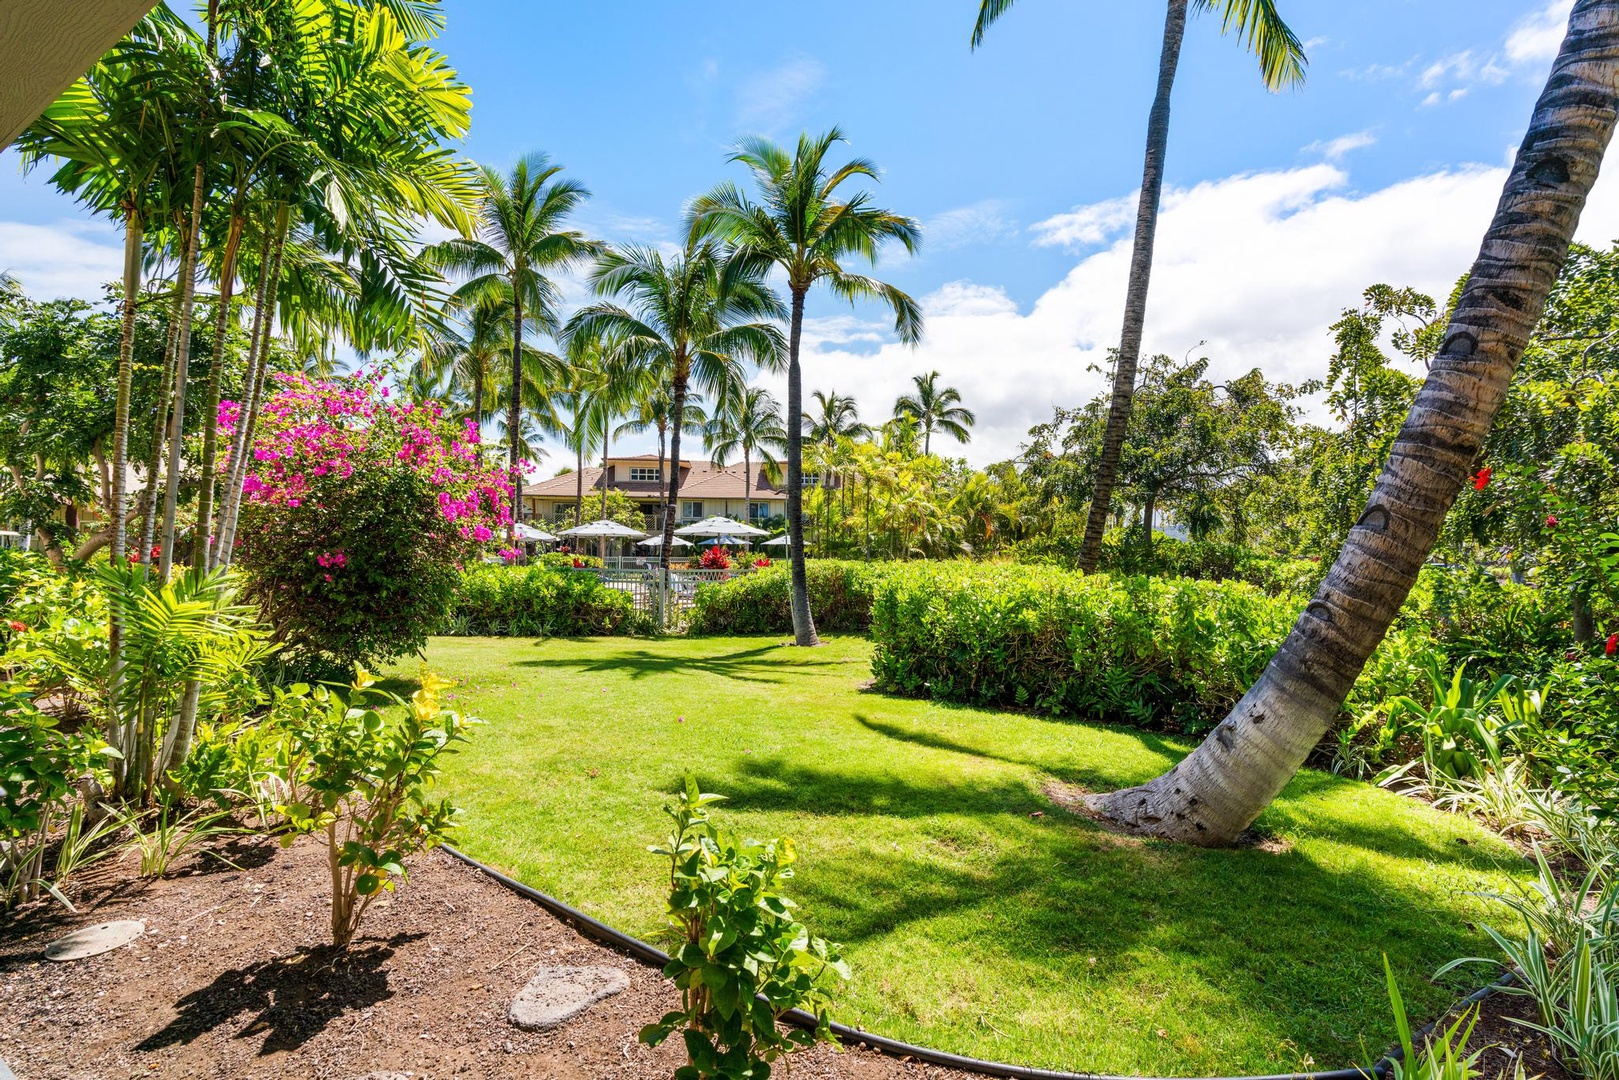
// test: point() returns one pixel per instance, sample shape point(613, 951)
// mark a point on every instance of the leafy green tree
point(1259, 26)
point(803, 225)
point(696, 318)
point(748, 421)
point(834, 416)
point(521, 237)
point(936, 408)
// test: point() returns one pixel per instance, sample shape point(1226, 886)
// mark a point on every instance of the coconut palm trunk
point(160, 426)
point(803, 621)
point(1135, 299)
point(678, 388)
point(203, 549)
point(120, 461)
point(1217, 791)
point(514, 410)
point(182, 364)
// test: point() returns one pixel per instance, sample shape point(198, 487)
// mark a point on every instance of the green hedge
point(1124, 554)
point(760, 602)
point(538, 601)
point(1148, 651)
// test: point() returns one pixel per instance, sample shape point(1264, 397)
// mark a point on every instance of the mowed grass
point(978, 916)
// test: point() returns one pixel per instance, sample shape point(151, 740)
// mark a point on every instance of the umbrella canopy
point(780, 541)
point(529, 532)
point(724, 541)
point(609, 529)
point(719, 526)
point(657, 541)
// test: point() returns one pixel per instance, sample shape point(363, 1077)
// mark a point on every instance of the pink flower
point(17, 627)
point(1551, 521)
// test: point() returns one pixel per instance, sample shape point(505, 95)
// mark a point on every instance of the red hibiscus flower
point(1613, 644)
point(1482, 479)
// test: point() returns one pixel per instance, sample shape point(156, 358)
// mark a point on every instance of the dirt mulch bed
point(231, 981)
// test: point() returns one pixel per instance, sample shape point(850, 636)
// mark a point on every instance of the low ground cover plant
point(741, 959)
point(760, 602)
point(539, 601)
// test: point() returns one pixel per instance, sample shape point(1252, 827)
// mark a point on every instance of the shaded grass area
point(972, 924)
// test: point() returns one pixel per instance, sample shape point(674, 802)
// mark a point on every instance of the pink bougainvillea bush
point(358, 513)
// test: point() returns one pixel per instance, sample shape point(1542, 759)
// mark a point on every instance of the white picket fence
point(668, 602)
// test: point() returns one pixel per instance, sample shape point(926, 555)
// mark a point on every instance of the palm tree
point(749, 421)
point(520, 238)
point(934, 408)
point(1216, 792)
point(802, 226)
point(1281, 63)
point(835, 416)
point(654, 411)
point(694, 319)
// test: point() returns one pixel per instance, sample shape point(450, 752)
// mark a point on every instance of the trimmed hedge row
point(1148, 651)
point(540, 601)
point(761, 602)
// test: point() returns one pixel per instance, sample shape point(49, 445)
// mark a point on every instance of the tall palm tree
point(804, 226)
point(935, 408)
point(694, 319)
point(1217, 791)
point(520, 239)
point(1281, 63)
point(834, 416)
point(750, 422)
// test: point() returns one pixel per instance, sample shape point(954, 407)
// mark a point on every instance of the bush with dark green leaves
point(538, 601)
point(1164, 652)
point(840, 595)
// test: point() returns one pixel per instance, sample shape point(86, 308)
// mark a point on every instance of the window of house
point(812, 479)
point(638, 473)
point(691, 510)
point(758, 511)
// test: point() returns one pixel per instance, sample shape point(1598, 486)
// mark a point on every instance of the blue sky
point(1020, 159)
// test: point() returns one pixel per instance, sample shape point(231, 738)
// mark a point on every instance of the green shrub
point(1124, 554)
point(1143, 650)
point(761, 602)
point(562, 560)
point(537, 601)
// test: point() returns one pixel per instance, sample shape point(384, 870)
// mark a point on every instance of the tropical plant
point(1259, 26)
point(693, 319)
point(520, 239)
point(936, 408)
point(742, 959)
point(1443, 1055)
point(748, 421)
point(1219, 789)
point(361, 781)
point(835, 416)
point(161, 835)
point(804, 226)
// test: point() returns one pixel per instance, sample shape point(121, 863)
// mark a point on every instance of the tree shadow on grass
point(292, 998)
point(1295, 936)
point(764, 664)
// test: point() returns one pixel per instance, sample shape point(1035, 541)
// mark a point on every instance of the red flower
point(1482, 480)
point(17, 628)
point(1613, 644)
point(1551, 521)
point(578, 564)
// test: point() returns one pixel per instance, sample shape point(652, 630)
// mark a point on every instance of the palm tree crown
point(834, 416)
point(749, 423)
point(936, 408)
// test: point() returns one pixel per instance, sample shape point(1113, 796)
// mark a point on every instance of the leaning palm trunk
point(182, 366)
point(1135, 299)
point(1216, 792)
point(803, 620)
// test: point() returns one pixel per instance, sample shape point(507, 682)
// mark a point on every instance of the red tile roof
point(702, 480)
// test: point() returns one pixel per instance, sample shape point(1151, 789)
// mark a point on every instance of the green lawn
point(971, 925)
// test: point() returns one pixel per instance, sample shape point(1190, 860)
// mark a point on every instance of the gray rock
point(555, 994)
point(94, 940)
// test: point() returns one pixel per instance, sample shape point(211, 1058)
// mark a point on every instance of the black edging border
point(655, 957)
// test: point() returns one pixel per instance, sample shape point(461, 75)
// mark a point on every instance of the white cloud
point(1257, 266)
point(1536, 38)
point(1334, 149)
point(1087, 226)
point(982, 221)
point(69, 258)
point(769, 100)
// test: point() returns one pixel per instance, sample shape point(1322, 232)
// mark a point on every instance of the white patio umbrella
point(724, 541)
point(657, 541)
point(612, 530)
point(780, 541)
point(529, 532)
point(719, 526)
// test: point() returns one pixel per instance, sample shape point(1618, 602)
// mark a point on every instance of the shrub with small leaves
point(742, 959)
point(361, 780)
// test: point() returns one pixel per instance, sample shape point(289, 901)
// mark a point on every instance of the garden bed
point(231, 980)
